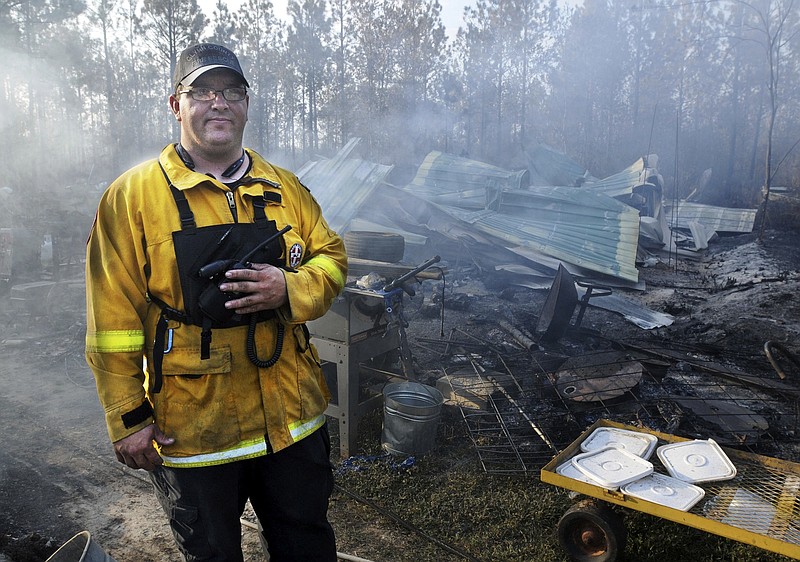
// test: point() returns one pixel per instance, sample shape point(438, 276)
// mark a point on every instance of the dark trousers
point(289, 491)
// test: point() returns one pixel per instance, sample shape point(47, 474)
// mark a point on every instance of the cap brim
point(196, 73)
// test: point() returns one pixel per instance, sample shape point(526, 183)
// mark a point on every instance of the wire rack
point(521, 407)
point(760, 499)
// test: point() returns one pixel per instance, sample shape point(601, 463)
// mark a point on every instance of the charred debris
point(528, 378)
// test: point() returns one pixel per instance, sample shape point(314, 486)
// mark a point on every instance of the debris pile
point(529, 378)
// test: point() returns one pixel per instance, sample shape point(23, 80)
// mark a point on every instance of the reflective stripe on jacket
point(218, 409)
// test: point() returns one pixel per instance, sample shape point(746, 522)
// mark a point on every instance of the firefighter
point(202, 267)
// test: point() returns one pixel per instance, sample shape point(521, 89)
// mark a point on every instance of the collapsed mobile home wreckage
point(526, 223)
point(554, 227)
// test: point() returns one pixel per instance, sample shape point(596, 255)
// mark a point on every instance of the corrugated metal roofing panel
point(720, 219)
point(641, 172)
point(461, 182)
point(551, 167)
point(341, 184)
point(584, 227)
point(591, 230)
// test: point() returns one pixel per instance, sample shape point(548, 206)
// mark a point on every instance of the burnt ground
point(58, 475)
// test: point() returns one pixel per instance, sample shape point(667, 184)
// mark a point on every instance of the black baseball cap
point(197, 59)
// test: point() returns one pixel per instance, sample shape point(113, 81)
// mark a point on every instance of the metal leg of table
point(348, 408)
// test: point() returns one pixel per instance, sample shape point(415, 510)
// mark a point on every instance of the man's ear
point(175, 106)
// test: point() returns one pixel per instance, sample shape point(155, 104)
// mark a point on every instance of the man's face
point(215, 126)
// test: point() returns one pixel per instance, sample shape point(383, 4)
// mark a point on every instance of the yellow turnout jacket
point(222, 408)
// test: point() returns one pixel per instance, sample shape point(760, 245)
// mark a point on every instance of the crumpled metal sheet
point(581, 227)
point(643, 172)
point(719, 219)
point(641, 316)
point(548, 166)
point(461, 182)
point(342, 184)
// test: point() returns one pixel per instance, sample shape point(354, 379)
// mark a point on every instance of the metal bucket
point(411, 413)
point(80, 548)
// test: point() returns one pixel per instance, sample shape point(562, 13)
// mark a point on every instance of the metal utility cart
point(759, 506)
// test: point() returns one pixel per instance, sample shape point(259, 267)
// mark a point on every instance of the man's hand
point(137, 450)
point(263, 288)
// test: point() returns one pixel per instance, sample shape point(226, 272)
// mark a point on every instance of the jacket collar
point(260, 176)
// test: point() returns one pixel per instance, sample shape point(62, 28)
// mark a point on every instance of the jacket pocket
point(197, 404)
point(186, 361)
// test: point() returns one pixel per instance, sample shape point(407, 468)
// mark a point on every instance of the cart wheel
point(591, 532)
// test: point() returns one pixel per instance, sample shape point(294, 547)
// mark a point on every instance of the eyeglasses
point(209, 94)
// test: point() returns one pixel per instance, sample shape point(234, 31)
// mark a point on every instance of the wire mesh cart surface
point(758, 506)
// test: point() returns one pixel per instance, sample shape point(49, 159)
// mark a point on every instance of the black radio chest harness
point(203, 301)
